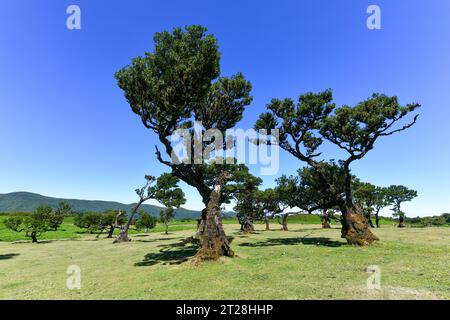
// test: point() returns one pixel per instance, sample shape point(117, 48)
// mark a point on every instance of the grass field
point(305, 263)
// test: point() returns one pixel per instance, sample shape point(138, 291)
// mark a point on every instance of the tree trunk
point(401, 221)
point(110, 233)
point(247, 225)
point(123, 234)
point(284, 219)
point(33, 237)
point(167, 228)
point(267, 223)
point(213, 241)
point(377, 219)
point(325, 218)
point(355, 228)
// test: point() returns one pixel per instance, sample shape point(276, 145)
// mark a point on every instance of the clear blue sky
point(67, 131)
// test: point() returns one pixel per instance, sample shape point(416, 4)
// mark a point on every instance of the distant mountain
point(28, 202)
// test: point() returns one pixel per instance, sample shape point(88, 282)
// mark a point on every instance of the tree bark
point(355, 227)
point(213, 241)
point(377, 219)
point(325, 218)
point(267, 223)
point(369, 220)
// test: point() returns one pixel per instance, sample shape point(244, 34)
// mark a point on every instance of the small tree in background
point(109, 221)
point(34, 225)
point(305, 190)
point(248, 206)
point(170, 195)
point(164, 189)
point(396, 195)
point(145, 221)
point(268, 204)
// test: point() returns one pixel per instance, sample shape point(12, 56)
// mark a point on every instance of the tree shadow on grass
point(318, 241)
point(8, 256)
point(156, 239)
point(169, 254)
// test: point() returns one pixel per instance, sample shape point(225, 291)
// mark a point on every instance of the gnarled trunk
point(123, 233)
point(213, 241)
point(111, 231)
point(355, 228)
point(325, 219)
point(369, 220)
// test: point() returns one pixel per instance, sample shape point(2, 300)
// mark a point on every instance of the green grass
point(305, 263)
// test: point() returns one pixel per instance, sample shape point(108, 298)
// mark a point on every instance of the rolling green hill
point(27, 202)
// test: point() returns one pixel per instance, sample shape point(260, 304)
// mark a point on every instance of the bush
point(145, 221)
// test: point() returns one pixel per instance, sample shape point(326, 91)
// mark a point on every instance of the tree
point(33, 225)
point(396, 195)
point(269, 205)
point(177, 86)
point(164, 189)
point(145, 221)
point(109, 220)
point(381, 202)
point(248, 201)
point(304, 125)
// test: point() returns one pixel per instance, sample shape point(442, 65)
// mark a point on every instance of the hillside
point(27, 202)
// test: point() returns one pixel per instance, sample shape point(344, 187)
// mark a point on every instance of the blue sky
point(67, 131)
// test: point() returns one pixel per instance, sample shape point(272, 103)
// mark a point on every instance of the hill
point(27, 202)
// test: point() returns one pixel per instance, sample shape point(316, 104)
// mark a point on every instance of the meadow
point(307, 262)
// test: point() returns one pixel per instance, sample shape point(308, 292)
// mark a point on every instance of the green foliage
point(13, 223)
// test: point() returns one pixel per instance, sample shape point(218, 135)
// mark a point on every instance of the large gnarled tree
point(177, 86)
point(304, 125)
